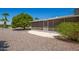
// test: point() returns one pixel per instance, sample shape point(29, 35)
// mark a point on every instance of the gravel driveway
point(23, 41)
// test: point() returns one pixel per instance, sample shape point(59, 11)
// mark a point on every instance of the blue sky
point(41, 13)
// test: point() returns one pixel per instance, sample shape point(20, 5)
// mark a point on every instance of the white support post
point(47, 25)
point(43, 25)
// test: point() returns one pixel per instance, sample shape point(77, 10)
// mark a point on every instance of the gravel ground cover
point(23, 41)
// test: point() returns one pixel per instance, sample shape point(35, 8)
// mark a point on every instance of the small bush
point(7, 26)
point(69, 30)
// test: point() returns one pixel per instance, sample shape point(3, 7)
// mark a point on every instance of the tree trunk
point(24, 28)
point(4, 24)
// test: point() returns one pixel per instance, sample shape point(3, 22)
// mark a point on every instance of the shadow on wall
point(3, 45)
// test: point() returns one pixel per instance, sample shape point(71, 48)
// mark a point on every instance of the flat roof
point(61, 17)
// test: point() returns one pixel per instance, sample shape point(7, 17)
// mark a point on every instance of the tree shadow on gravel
point(20, 29)
point(3, 45)
point(66, 40)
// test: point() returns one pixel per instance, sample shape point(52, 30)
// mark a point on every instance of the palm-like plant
point(5, 19)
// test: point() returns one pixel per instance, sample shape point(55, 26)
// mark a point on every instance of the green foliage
point(22, 20)
point(2, 26)
point(4, 19)
point(69, 30)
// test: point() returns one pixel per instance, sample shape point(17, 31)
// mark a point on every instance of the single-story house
point(48, 24)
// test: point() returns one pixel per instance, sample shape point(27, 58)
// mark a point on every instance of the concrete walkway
point(49, 34)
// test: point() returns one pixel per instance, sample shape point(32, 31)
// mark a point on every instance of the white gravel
point(49, 34)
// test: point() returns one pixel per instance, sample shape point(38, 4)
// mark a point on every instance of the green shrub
point(2, 26)
point(69, 30)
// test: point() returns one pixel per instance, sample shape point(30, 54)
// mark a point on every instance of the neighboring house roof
point(61, 17)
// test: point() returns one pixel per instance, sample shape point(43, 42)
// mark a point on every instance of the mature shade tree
point(4, 19)
point(22, 20)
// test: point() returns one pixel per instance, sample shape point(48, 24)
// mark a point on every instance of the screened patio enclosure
point(49, 24)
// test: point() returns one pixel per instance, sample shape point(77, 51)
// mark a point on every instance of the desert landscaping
point(24, 41)
point(26, 33)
